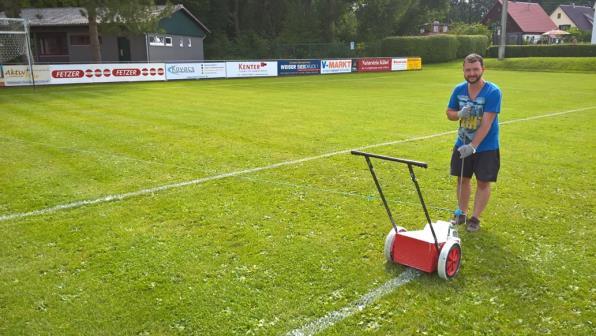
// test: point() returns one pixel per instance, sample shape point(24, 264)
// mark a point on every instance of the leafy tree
point(550, 5)
point(469, 11)
point(109, 16)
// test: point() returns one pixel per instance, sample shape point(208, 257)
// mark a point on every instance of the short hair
point(472, 58)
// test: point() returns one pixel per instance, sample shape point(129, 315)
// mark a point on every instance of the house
point(526, 21)
point(61, 35)
point(567, 16)
point(434, 28)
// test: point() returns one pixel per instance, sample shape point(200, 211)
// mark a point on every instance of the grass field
point(232, 207)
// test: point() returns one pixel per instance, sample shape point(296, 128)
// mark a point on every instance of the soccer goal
point(15, 45)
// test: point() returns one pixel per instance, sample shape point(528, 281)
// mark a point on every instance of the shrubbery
point(471, 44)
point(434, 48)
point(564, 50)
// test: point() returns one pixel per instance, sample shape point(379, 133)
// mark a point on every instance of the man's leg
point(481, 198)
point(463, 197)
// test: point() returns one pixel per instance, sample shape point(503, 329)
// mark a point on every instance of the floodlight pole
point(503, 30)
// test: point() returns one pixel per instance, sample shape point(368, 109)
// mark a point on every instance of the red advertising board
point(374, 64)
point(94, 73)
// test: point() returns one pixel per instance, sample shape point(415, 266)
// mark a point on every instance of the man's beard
point(474, 81)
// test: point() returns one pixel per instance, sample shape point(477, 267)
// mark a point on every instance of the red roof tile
point(530, 17)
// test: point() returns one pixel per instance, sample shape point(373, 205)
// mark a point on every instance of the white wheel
point(389, 240)
point(449, 260)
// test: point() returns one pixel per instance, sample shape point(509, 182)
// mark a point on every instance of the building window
point(156, 40)
point(558, 15)
point(189, 42)
point(181, 43)
point(52, 44)
point(565, 27)
point(168, 41)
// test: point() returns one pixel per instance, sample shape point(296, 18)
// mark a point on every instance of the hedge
point(565, 50)
point(471, 44)
point(434, 48)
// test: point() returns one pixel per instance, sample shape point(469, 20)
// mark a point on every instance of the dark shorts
point(485, 165)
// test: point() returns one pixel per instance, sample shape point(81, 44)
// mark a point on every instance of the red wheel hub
point(453, 261)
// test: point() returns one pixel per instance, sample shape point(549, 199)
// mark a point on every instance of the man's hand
point(465, 151)
point(465, 112)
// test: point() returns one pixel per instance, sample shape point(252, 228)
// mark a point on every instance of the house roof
point(65, 16)
point(582, 16)
point(76, 16)
point(528, 16)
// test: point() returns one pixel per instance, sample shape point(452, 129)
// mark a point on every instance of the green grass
point(267, 252)
point(545, 64)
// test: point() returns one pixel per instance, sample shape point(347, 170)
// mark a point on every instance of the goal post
point(15, 45)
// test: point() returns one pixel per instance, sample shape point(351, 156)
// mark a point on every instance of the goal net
point(15, 47)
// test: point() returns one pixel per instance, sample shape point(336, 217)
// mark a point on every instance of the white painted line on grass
point(333, 317)
point(148, 191)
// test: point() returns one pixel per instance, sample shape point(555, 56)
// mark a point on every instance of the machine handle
point(388, 158)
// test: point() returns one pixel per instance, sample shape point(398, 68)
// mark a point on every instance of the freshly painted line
point(119, 197)
point(333, 317)
point(148, 191)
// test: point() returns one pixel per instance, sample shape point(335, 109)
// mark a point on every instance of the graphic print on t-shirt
point(468, 126)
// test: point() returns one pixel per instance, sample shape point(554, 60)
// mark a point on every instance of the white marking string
point(333, 317)
point(337, 192)
point(148, 191)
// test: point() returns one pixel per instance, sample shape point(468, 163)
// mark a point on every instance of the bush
point(471, 44)
point(461, 28)
point(432, 49)
point(564, 50)
point(548, 64)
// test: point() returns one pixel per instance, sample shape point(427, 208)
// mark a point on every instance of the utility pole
point(594, 27)
point(503, 30)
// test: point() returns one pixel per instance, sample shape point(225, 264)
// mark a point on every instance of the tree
point(125, 18)
point(550, 5)
point(469, 11)
point(117, 17)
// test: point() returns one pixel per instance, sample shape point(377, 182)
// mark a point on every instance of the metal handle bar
point(410, 163)
point(389, 158)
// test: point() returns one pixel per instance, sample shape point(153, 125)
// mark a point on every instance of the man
point(475, 103)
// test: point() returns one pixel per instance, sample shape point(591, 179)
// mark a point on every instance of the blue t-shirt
point(489, 100)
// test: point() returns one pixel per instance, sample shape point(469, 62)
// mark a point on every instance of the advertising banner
point(251, 69)
point(336, 66)
point(195, 70)
point(19, 75)
point(399, 64)
point(104, 73)
point(373, 64)
point(298, 67)
point(213, 70)
point(414, 63)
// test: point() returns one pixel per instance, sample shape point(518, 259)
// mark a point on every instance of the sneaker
point(473, 224)
point(459, 219)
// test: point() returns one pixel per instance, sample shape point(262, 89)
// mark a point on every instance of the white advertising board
point(195, 70)
point(19, 75)
point(336, 66)
point(398, 64)
point(104, 73)
point(251, 69)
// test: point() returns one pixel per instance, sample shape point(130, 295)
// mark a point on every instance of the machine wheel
point(449, 260)
point(389, 240)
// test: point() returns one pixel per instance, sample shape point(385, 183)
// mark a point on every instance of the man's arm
point(487, 121)
point(452, 114)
